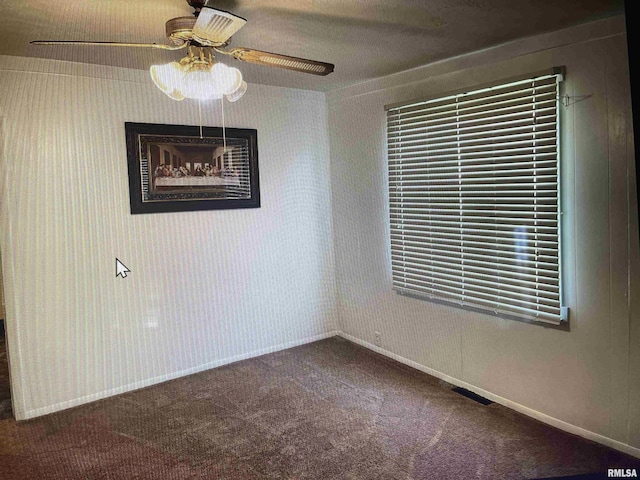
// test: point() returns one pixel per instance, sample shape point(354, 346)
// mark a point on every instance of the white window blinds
point(474, 198)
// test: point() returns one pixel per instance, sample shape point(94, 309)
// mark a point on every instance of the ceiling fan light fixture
point(197, 75)
point(198, 79)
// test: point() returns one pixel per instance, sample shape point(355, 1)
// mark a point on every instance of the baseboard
point(549, 420)
point(163, 378)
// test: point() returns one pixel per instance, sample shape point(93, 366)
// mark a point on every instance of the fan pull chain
point(224, 136)
point(200, 115)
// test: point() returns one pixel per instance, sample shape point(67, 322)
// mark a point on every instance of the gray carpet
point(327, 410)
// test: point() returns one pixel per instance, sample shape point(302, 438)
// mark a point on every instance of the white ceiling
point(363, 38)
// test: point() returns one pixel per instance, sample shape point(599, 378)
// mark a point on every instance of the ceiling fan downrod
point(196, 5)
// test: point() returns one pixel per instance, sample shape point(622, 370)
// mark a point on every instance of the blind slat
point(479, 293)
point(518, 115)
point(404, 138)
point(474, 167)
point(501, 307)
point(531, 294)
point(436, 130)
point(465, 99)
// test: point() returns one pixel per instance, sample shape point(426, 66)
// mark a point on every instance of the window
point(474, 198)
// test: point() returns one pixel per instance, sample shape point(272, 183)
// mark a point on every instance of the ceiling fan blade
point(109, 44)
point(281, 61)
point(215, 27)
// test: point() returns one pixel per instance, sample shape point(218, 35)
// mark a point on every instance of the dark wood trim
point(632, 52)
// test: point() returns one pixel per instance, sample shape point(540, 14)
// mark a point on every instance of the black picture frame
point(172, 168)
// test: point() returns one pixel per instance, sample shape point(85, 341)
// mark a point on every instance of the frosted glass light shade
point(225, 79)
point(238, 93)
point(168, 78)
point(197, 84)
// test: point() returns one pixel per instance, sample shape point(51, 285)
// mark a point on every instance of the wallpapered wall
point(587, 377)
point(204, 288)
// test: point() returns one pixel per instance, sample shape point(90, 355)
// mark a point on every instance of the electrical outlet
point(378, 338)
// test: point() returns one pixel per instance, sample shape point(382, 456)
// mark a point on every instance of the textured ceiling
point(363, 38)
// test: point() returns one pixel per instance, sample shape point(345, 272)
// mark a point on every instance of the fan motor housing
point(180, 29)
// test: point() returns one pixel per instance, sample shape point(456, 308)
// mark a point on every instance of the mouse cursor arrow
point(121, 269)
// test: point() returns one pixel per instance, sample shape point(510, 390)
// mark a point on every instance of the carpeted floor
point(327, 410)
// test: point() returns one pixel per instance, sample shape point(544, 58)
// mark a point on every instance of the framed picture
point(172, 168)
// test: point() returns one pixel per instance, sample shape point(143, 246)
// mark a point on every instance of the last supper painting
point(181, 168)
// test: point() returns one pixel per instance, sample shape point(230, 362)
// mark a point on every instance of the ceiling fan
point(197, 75)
